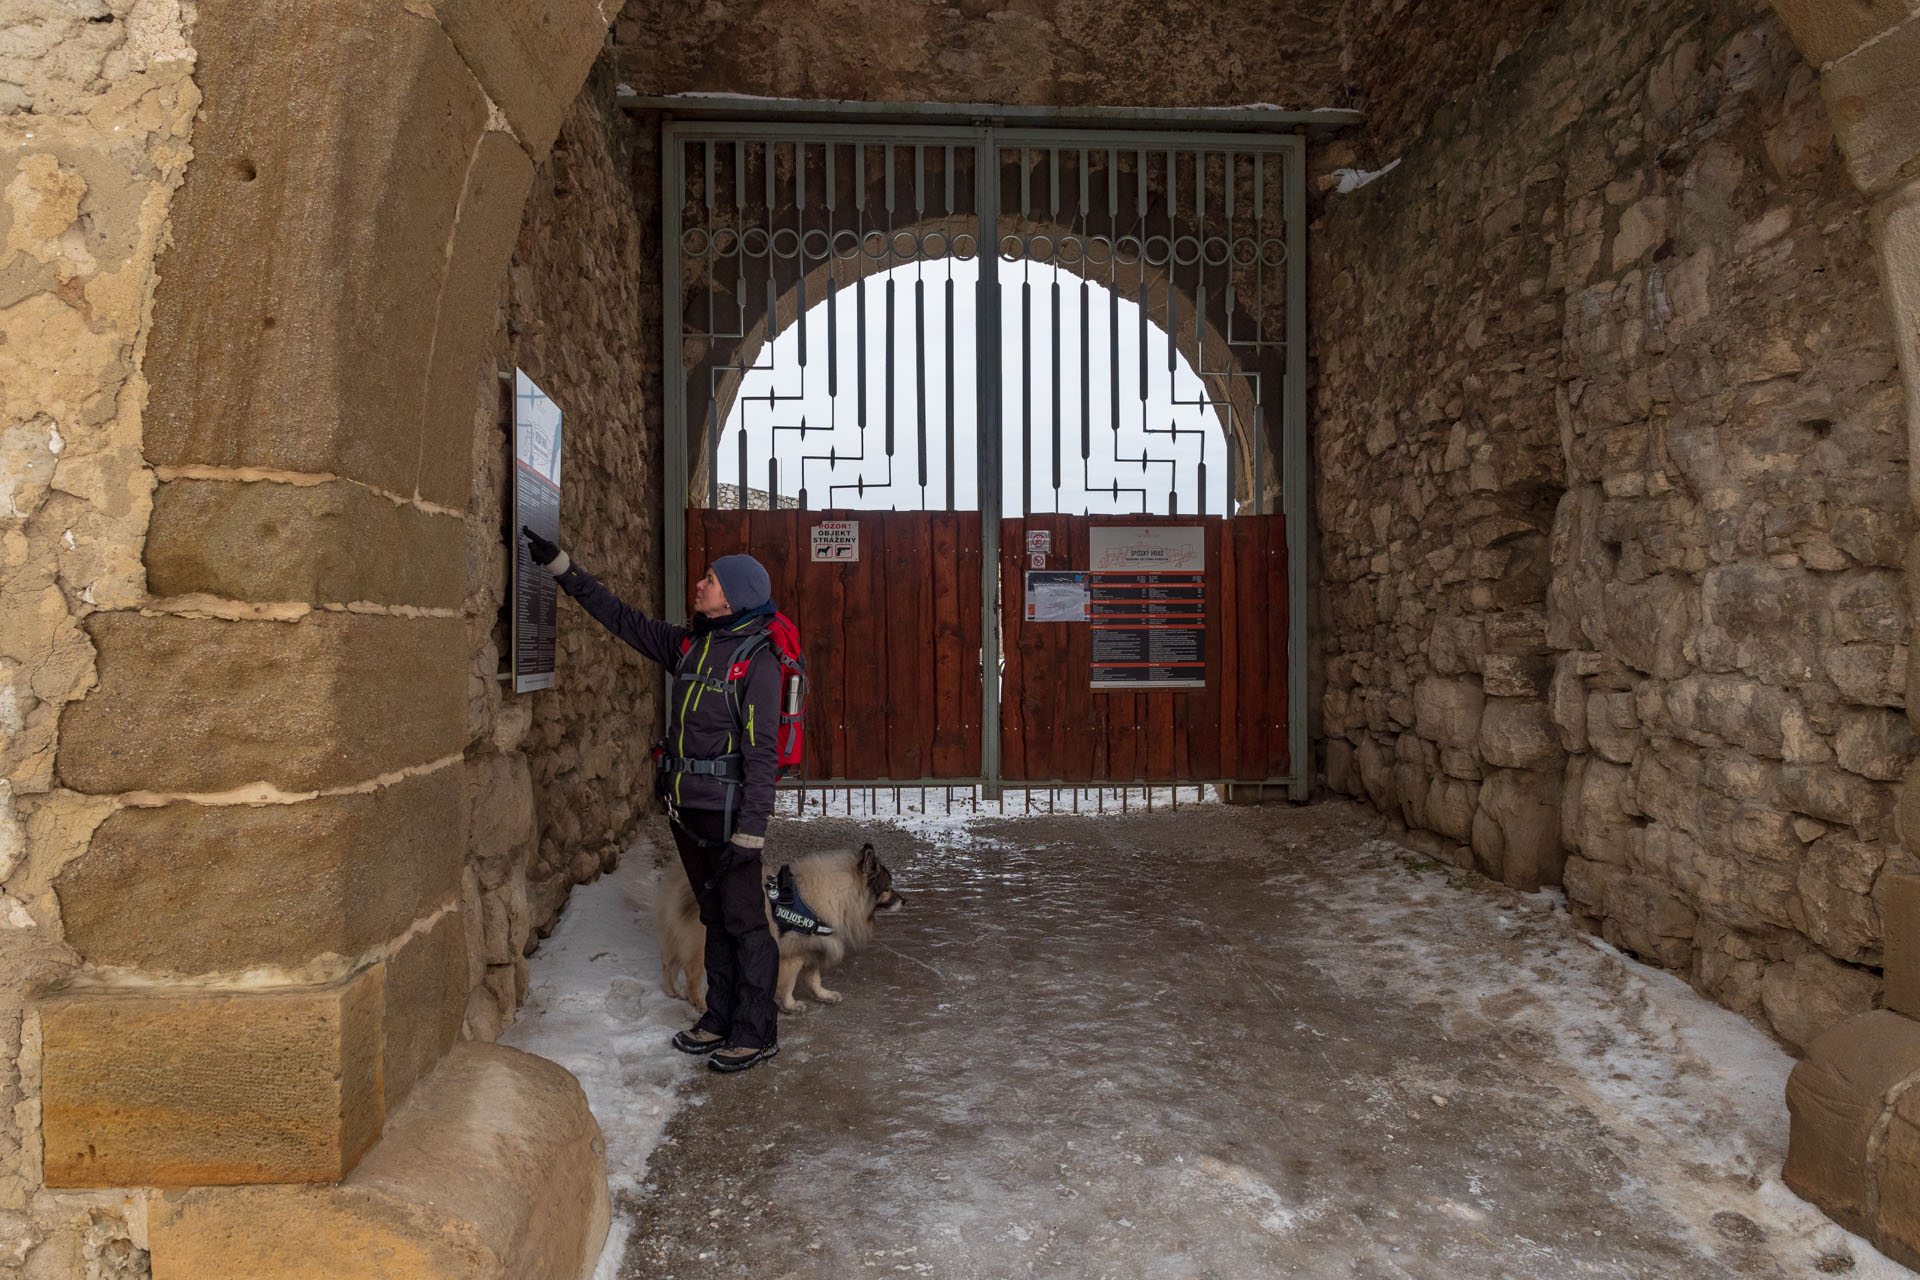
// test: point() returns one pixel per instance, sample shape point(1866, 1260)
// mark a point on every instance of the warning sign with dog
point(836, 541)
point(1148, 607)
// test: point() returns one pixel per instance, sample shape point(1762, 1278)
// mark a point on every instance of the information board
point(1148, 607)
point(536, 505)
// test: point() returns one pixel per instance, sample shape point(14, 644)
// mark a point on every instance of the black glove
point(544, 553)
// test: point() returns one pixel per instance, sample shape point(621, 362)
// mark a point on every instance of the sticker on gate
point(836, 541)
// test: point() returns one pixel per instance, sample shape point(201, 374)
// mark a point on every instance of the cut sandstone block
point(182, 1087)
point(197, 705)
point(493, 1170)
point(294, 323)
point(1837, 1097)
point(1900, 917)
point(1896, 1182)
point(1828, 29)
point(490, 210)
point(1873, 95)
point(532, 59)
point(426, 1001)
point(223, 888)
point(333, 543)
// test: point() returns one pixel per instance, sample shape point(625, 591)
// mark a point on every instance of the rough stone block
point(1519, 734)
point(1836, 1097)
point(197, 705)
point(1448, 711)
point(1873, 95)
point(233, 887)
point(490, 212)
point(426, 1001)
point(294, 319)
point(190, 1087)
point(1828, 29)
point(532, 59)
point(1516, 831)
point(1516, 676)
point(1805, 997)
point(1900, 916)
point(501, 822)
point(331, 543)
point(494, 1168)
point(1645, 917)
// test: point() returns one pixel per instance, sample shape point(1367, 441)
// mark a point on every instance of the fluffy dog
point(846, 889)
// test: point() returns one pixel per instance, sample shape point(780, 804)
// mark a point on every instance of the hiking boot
point(697, 1041)
point(739, 1057)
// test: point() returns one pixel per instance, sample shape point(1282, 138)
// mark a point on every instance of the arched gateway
point(930, 628)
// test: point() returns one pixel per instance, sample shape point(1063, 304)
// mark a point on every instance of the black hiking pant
point(743, 960)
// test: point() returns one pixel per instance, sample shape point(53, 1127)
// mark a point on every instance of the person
point(715, 779)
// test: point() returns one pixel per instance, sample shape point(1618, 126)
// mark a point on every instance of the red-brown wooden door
point(1056, 727)
point(892, 639)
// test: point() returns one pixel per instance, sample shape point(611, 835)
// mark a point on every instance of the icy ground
point(1217, 1042)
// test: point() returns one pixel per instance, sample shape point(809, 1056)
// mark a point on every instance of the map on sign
point(1147, 549)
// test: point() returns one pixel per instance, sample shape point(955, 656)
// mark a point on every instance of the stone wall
point(1613, 508)
point(1052, 52)
point(96, 110)
point(235, 459)
point(557, 779)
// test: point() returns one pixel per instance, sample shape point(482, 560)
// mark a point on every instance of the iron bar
point(742, 495)
point(950, 378)
point(1056, 383)
point(1086, 362)
point(860, 356)
point(713, 453)
point(920, 380)
point(1026, 397)
point(889, 366)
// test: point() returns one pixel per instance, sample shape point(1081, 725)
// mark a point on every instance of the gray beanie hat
point(744, 580)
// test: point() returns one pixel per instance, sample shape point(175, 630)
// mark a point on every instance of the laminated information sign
point(536, 504)
point(1056, 596)
point(1148, 607)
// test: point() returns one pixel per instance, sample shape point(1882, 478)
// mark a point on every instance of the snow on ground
point(1662, 1066)
point(1664, 1069)
point(595, 1007)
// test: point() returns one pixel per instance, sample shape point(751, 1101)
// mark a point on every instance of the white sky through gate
point(778, 391)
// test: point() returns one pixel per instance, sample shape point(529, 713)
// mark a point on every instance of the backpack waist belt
point(726, 768)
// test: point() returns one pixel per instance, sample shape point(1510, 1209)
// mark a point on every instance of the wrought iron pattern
point(1193, 232)
point(775, 228)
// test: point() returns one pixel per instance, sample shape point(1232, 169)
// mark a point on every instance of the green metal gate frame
point(985, 129)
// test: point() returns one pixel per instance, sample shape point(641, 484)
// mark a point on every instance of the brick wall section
point(1613, 471)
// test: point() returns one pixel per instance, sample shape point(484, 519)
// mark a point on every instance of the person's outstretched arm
point(653, 638)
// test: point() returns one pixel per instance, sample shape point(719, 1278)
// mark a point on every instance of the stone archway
point(251, 839)
point(1855, 1147)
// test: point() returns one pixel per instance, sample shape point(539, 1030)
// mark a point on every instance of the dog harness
point(790, 910)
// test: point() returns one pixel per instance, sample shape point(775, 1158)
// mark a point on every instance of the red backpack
point(783, 637)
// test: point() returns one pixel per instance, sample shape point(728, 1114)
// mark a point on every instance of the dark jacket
point(700, 723)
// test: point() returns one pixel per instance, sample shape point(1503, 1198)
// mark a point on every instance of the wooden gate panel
point(893, 640)
point(1056, 727)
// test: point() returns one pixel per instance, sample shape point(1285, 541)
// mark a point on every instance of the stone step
point(493, 1169)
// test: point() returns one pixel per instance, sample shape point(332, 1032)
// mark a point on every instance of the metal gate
point(841, 299)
